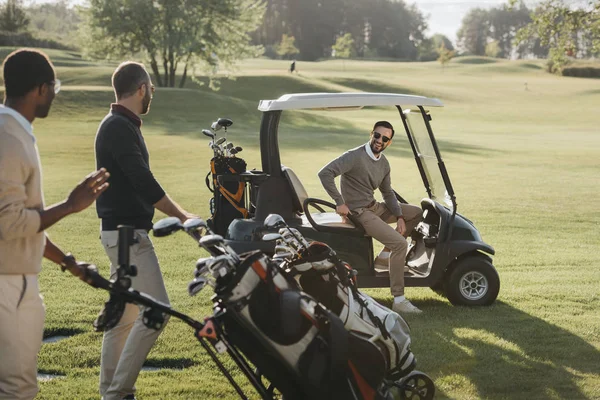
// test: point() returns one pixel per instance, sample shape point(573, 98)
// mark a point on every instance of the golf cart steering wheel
point(356, 231)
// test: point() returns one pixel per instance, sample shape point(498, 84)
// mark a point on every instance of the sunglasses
point(56, 84)
point(378, 135)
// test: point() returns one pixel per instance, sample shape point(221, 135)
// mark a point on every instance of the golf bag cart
point(447, 253)
point(284, 342)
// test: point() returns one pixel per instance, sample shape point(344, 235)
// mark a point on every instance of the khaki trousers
point(22, 315)
point(126, 346)
point(375, 220)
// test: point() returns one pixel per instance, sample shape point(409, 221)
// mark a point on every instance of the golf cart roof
point(324, 101)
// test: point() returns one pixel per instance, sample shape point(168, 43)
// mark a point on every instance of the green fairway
point(522, 148)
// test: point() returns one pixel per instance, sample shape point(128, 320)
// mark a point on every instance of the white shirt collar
point(20, 119)
point(370, 152)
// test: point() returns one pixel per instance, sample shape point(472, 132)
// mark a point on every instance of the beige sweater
point(21, 245)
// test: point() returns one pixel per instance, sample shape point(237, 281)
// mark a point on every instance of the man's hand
point(87, 191)
point(401, 227)
point(342, 210)
point(189, 216)
point(79, 269)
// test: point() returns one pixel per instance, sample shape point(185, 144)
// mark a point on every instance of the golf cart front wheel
point(473, 282)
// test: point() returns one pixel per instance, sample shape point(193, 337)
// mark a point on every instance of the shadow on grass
point(501, 351)
point(62, 332)
point(169, 363)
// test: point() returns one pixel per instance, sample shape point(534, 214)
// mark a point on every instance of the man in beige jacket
point(30, 87)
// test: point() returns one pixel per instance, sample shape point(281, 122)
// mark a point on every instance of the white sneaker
point(405, 307)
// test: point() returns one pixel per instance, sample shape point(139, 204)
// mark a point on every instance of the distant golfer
point(30, 87)
point(293, 66)
point(131, 199)
point(362, 170)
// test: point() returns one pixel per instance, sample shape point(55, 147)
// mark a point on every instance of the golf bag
point(228, 201)
point(299, 346)
point(329, 280)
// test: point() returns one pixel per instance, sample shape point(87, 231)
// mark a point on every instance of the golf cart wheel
point(473, 282)
point(417, 386)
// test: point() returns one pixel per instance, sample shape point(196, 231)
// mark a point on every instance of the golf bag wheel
point(473, 282)
point(415, 386)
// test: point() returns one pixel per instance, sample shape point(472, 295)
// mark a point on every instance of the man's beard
point(374, 150)
point(42, 110)
point(146, 103)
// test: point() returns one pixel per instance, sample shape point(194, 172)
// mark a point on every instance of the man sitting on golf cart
point(364, 169)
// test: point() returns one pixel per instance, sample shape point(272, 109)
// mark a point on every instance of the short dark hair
point(128, 77)
point(385, 124)
point(24, 70)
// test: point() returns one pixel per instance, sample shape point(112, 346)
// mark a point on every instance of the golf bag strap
point(207, 181)
point(372, 316)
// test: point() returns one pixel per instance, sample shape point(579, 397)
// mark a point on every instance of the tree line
point(179, 38)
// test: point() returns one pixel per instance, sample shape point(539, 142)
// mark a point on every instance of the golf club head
point(274, 221)
point(233, 152)
point(202, 266)
point(208, 133)
point(195, 286)
point(211, 240)
point(229, 145)
point(269, 237)
point(166, 226)
point(194, 227)
point(221, 123)
point(238, 148)
point(220, 141)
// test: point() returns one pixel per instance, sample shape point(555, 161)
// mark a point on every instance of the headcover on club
point(110, 315)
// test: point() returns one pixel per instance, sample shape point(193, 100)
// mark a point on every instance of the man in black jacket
point(131, 198)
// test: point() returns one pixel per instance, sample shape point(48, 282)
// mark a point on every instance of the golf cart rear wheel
point(417, 386)
point(473, 282)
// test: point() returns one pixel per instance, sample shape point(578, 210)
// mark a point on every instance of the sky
point(445, 16)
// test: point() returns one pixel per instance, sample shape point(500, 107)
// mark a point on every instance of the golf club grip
point(125, 242)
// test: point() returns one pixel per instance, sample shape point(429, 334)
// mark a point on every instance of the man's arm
point(123, 145)
point(79, 199)
point(66, 262)
point(128, 155)
point(172, 209)
point(327, 174)
point(17, 221)
point(392, 202)
point(389, 197)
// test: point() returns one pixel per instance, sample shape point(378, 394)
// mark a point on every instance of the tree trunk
point(155, 71)
point(166, 68)
point(184, 76)
point(172, 68)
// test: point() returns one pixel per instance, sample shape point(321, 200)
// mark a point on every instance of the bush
point(26, 39)
point(582, 71)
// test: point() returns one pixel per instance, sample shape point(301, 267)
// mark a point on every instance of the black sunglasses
point(378, 135)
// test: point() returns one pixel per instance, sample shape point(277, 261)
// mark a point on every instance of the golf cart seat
point(322, 221)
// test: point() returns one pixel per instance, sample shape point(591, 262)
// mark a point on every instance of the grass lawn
point(522, 148)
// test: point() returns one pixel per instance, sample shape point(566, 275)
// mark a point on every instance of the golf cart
point(446, 253)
